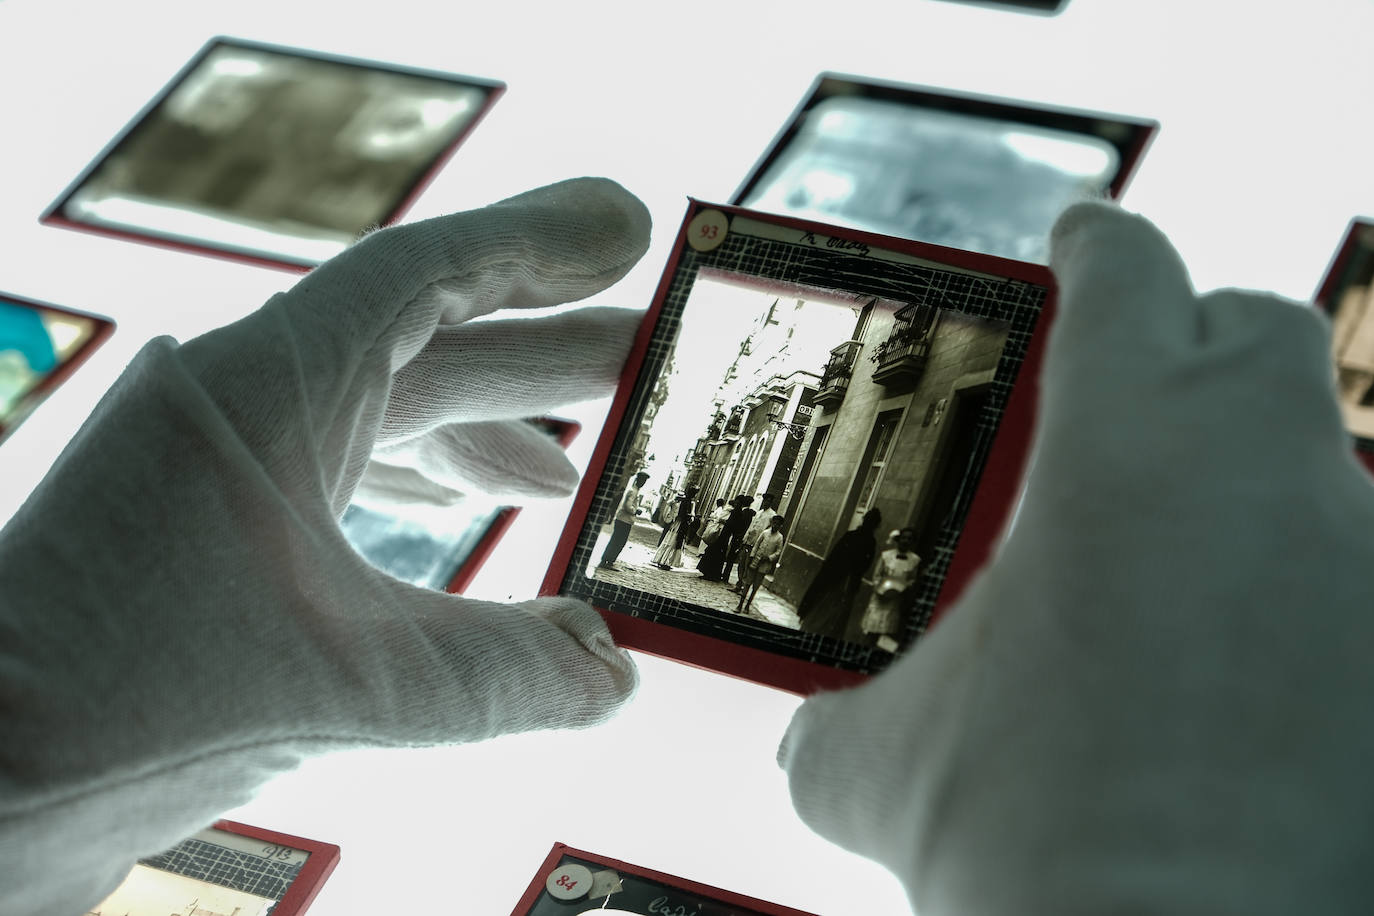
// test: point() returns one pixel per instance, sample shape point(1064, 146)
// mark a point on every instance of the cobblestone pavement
point(635, 569)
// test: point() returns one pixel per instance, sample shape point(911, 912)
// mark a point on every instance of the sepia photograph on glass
point(275, 155)
point(1346, 294)
point(805, 438)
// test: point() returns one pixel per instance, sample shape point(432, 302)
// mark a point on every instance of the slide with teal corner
point(22, 331)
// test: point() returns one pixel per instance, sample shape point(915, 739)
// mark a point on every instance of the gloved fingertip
point(507, 459)
point(583, 623)
point(390, 488)
point(608, 321)
point(1119, 264)
point(576, 618)
point(1101, 232)
point(614, 210)
point(517, 489)
point(618, 208)
point(785, 748)
point(563, 478)
point(1078, 218)
point(797, 730)
point(541, 475)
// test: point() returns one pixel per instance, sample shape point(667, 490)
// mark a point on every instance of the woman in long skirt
point(896, 573)
point(713, 559)
point(669, 552)
point(826, 607)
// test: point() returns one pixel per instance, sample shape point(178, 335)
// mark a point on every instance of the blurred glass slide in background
point(40, 346)
point(967, 172)
point(228, 869)
point(1020, 6)
point(275, 155)
point(437, 547)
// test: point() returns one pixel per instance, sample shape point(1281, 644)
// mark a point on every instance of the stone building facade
point(896, 417)
point(754, 449)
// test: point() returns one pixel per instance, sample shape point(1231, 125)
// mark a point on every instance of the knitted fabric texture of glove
point(181, 615)
point(1154, 698)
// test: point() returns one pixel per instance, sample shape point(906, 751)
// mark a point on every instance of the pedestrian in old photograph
point(625, 514)
point(735, 527)
point(712, 564)
point(737, 530)
point(825, 607)
point(893, 579)
point(756, 529)
point(713, 557)
point(665, 508)
point(715, 522)
point(669, 552)
point(762, 561)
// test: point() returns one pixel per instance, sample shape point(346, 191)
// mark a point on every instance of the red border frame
point(482, 551)
point(718, 895)
point(991, 510)
point(54, 379)
point(52, 216)
point(324, 857)
point(1132, 151)
point(1327, 288)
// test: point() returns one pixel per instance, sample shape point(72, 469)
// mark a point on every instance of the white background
point(1263, 156)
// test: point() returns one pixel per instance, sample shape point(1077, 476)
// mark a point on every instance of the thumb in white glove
point(1154, 699)
point(182, 616)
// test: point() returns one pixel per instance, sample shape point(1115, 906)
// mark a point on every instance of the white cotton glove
point(180, 615)
point(1155, 699)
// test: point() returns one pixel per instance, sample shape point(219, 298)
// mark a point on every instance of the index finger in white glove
point(306, 379)
point(545, 247)
point(1122, 288)
point(509, 368)
point(347, 326)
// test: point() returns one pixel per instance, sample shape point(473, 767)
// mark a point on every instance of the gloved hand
point(180, 615)
point(1155, 697)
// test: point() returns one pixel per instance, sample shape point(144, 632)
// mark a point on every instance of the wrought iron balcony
point(732, 425)
point(838, 370)
point(900, 360)
point(713, 432)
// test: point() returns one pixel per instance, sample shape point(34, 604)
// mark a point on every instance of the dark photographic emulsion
point(786, 489)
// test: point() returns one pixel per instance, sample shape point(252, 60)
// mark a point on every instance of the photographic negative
point(227, 868)
point(573, 881)
point(968, 172)
point(274, 154)
point(440, 547)
point(1347, 295)
point(819, 446)
point(40, 346)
